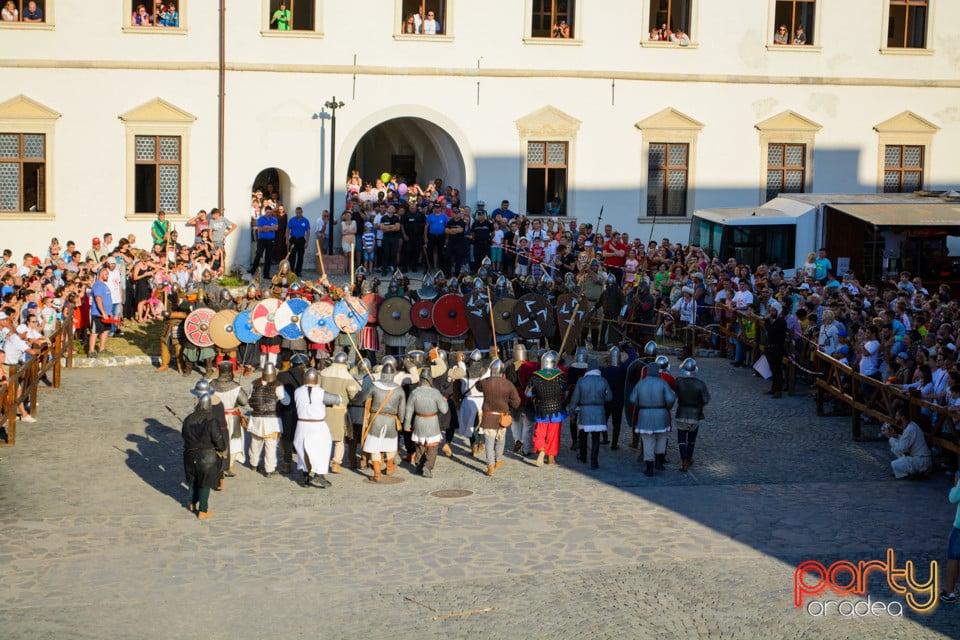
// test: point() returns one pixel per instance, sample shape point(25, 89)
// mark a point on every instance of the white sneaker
point(27, 418)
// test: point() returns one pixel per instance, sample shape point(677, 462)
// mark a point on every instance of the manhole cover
point(451, 493)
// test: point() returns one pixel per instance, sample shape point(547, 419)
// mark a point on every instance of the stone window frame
point(128, 7)
point(816, 47)
point(267, 32)
point(575, 41)
point(693, 33)
point(400, 18)
point(928, 50)
point(787, 127)
point(549, 124)
point(21, 114)
point(906, 128)
point(669, 126)
point(157, 118)
point(48, 23)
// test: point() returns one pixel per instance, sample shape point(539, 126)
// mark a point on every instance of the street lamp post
point(332, 105)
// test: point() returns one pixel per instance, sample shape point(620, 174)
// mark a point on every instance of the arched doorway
point(272, 185)
point(412, 147)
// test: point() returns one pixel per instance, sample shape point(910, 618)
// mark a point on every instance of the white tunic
point(229, 400)
point(472, 402)
point(312, 439)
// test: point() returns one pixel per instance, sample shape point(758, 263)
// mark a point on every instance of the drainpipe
point(221, 101)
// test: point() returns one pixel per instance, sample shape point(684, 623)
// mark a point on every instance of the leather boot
point(164, 356)
point(684, 466)
point(660, 460)
point(334, 467)
point(352, 453)
point(305, 480)
point(490, 471)
point(447, 451)
point(376, 472)
point(498, 464)
point(475, 450)
point(648, 471)
point(203, 515)
point(391, 466)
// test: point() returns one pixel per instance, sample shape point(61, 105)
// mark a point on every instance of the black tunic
point(202, 439)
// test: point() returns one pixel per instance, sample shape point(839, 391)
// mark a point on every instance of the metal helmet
point(439, 279)
point(650, 349)
point(269, 372)
point(202, 388)
point(615, 356)
point(225, 371)
point(501, 282)
point(476, 356)
point(593, 364)
point(611, 280)
point(225, 295)
point(546, 280)
point(594, 264)
point(496, 367)
point(548, 360)
point(366, 287)
point(361, 272)
point(486, 262)
point(284, 264)
point(663, 362)
point(398, 276)
point(253, 289)
point(529, 282)
point(364, 365)
point(299, 359)
point(582, 356)
point(340, 357)
point(207, 275)
point(416, 358)
point(519, 352)
point(689, 367)
point(426, 377)
point(205, 402)
point(295, 289)
point(477, 284)
point(389, 366)
point(437, 355)
point(428, 290)
point(311, 377)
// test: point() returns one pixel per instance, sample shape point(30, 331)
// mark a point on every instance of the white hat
point(3, 316)
point(22, 328)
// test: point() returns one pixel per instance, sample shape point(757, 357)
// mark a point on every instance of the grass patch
point(137, 340)
point(232, 280)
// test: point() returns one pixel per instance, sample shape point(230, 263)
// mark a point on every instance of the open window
point(291, 16)
point(670, 21)
point(794, 22)
point(553, 19)
point(26, 13)
point(907, 24)
point(423, 18)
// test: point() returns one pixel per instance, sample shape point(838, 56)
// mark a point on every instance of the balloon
point(385, 177)
point(402, 189)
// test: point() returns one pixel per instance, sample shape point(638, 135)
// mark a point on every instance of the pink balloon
point(402, 189)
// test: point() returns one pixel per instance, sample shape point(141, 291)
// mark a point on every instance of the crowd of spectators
point(164, 14)
point(31, 12)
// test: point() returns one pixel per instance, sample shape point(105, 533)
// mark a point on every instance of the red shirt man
point(614, 252)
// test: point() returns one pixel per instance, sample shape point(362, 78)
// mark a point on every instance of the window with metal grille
point(157, 174)
point(546, 174)
point(674, 14)
point(296, 15)
point(423, 17)
point(902, 168)
point(552, 19)
point(786, 168)
point(667, 171)
point(23, 172)
point(21, 11)
point(907, 24)
point(798, 17)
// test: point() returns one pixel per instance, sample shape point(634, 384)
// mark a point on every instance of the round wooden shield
point(421, 314)
point(477, 305)
point(264, 317)
point(243, 327)
point(317, 323)
point(288, 318)
point(197, 327)
point(394, 316)
point(350, 314)
point(450, 315)
point(372, 302)
point(221, 329)
point(566, 303)
point(503, 315)
point(532, 317)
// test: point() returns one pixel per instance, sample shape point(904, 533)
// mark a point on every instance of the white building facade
point(104, 122)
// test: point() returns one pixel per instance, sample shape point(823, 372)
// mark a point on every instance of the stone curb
point(115, 361)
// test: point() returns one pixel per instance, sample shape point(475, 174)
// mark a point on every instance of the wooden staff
point(493, 326)
point(323, 269)
point(570, 324)
point(353, 256)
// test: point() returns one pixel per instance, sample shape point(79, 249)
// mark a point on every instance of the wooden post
point(57, 352)
point(12, 375)
point(33, 382)
point(854, 411)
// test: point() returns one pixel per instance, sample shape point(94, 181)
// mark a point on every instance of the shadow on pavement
point(157, 458)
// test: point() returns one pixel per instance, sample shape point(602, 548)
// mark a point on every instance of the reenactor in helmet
point(442, 382)
point(281, 282)
point(589, 399)
point(518, 372)
point(356, 411)
point(202, 442)
point(591, 283)
point(208, 292)
point(576, 370)
point(264, 425)
point(232, 396)
point(175, 312)
point(422, 420)
point(387, 404)
point(547, 389)
point(291, 379)
point(499, 398)
point(312, 439)
point(472, 399)
point(612, 301)
point(336, 379)
point(615, 374)
point(692, 397)
point(249, 354)
point(652, 399)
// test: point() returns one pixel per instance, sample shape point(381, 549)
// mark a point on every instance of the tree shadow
point(157, 458)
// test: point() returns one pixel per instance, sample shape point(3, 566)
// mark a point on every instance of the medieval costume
point(336, 379)
point(424, 407)
point(652, 398)
point(312, 440)
point(546, 388)
point(202, 441)
point(387, 403)
point(692, 397)
point(499, 397)
point(265, 426)
point(589, 398)
point(232, 396)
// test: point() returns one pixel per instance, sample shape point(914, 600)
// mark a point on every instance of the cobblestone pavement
point(99, 544)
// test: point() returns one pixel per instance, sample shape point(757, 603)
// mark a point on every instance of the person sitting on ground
point(910, 447)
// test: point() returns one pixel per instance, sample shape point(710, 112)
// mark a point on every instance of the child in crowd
point(369, 243)
point(496, 248)
point(537, 254)
point(630, 268)
point(523, 258)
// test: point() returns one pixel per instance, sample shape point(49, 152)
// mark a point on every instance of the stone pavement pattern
point(99, 544)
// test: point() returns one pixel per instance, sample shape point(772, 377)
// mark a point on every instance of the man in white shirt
point(117, 287)
point(743, 298)
point(870, 353)
point(430, 26)
point(910, 447)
